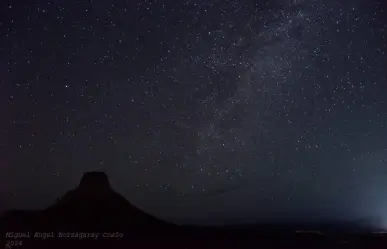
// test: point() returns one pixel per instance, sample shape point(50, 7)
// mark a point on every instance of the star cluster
point(197, 110)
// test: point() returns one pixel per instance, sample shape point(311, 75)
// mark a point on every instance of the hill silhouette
point(83, 216)
point(92, 207)
point(93, 198)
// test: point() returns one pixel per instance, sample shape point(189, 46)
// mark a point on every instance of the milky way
point(205, 111)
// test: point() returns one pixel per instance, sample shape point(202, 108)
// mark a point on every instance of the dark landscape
point(193, 124)
point(94, 215)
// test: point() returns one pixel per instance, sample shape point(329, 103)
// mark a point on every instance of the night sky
point(213, 111)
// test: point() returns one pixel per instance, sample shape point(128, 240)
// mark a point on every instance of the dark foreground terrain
point(94, 216)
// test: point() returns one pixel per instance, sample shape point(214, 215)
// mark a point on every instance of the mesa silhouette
point(93, 206)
